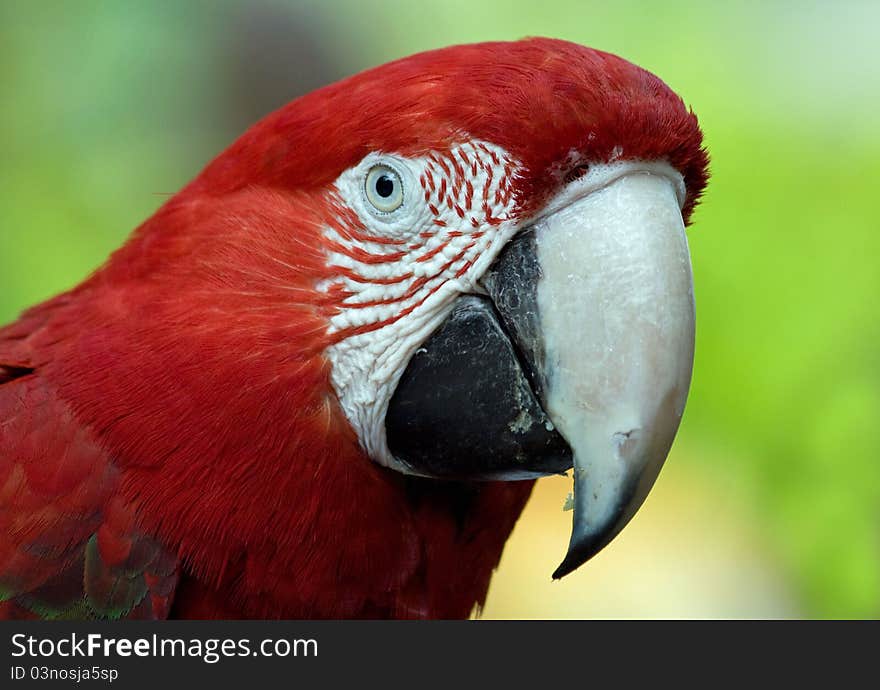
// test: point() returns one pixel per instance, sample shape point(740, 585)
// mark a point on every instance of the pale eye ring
point(384, 188)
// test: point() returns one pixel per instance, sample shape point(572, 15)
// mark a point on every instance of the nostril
point(625, 442)
point(576, 172)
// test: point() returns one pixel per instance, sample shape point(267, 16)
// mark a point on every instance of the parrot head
point(469, 264)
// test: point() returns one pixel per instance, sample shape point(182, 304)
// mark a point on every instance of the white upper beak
point(617, 312)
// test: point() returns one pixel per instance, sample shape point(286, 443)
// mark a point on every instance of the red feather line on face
point(445, 184)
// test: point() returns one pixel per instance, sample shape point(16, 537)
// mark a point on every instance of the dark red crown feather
point(540, 99)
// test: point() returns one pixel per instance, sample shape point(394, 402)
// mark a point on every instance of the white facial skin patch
point(399, 272)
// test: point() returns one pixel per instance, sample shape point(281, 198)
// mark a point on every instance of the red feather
point(174, 412)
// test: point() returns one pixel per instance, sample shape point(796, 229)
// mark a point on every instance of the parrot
point(321, 379)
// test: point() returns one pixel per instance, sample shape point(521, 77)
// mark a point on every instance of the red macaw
point(320, 380)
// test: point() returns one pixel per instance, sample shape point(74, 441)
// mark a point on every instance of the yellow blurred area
point(769, 505)
point(692, 551)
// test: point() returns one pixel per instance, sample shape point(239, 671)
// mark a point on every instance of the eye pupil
point(384, 186)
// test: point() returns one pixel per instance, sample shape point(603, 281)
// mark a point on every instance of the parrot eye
point(384, 188)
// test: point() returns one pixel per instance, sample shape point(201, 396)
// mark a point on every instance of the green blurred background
point(769, 505)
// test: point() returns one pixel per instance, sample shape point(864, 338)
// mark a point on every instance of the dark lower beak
point(464, 408)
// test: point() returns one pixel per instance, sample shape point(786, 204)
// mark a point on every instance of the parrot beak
point(594, 301)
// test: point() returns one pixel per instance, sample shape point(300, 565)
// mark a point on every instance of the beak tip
point(563, 570)
point(586, 543)
point(578, 554)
